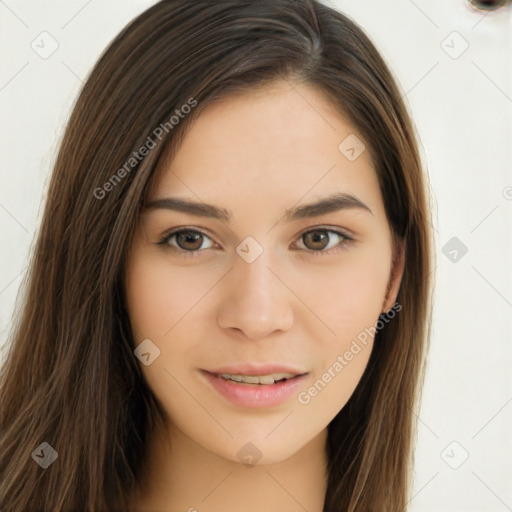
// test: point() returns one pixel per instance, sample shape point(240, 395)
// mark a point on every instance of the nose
point(255, 300)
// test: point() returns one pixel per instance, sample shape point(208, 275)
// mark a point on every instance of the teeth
point(257, 379)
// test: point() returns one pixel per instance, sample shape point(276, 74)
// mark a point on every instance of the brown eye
point(319, 242)
point(316, 240)
point(189, 240)
point(186, 240)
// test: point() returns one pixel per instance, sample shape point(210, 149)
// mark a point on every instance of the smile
point(258, 379)
point(256, 391)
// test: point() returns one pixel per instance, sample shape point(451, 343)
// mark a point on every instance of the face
point(261, 289)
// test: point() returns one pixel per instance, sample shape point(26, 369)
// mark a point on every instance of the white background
point(461, 103)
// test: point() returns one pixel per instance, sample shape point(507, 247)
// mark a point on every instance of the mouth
point(260, 380)
point(255, 388)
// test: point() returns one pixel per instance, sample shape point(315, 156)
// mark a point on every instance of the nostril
point(488, 5)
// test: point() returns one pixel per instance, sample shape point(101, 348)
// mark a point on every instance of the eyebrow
point(333, 203)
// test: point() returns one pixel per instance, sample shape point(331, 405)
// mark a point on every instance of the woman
point(228, 303)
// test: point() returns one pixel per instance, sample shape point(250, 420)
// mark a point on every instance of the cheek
point(349, 301)
point(158, 296)
point(350, 308)
point(349, 296)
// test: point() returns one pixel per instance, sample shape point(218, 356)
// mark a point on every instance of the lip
point(255, 395)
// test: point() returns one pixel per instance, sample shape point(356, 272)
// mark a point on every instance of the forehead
point(276, 143)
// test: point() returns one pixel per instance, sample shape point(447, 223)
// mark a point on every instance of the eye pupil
point(189, 237)
point(320, 239)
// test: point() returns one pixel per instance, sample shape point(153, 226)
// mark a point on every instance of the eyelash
point(346, 240)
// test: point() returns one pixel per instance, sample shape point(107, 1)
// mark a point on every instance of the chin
point(258, 451)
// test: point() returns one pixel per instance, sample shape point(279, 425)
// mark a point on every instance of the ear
point(395, 278)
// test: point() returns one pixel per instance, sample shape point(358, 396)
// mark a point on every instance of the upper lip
point(255, 369)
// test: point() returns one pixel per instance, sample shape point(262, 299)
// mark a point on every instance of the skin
point(257, 155)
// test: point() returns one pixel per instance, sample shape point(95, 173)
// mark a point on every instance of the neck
point(190, 478)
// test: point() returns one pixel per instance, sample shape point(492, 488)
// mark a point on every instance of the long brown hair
point(71, 378)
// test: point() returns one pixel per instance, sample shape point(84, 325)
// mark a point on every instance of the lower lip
point(255, 395)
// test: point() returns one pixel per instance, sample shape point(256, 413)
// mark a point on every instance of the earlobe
point(397, 270)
